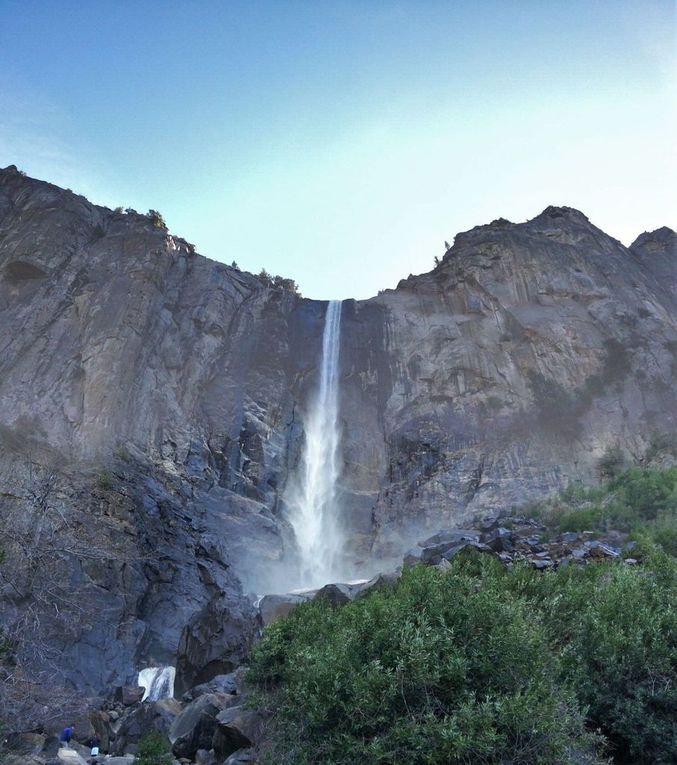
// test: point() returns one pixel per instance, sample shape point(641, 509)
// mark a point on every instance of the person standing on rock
point(67, 735)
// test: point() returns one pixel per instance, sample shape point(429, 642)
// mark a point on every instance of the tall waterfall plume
point(312, 497)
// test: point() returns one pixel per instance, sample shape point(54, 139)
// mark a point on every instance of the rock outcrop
point(152, 406)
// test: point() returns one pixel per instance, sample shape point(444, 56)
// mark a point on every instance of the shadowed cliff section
point(167, 392)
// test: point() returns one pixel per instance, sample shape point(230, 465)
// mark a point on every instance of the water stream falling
point(158, 683)
point(312, 496)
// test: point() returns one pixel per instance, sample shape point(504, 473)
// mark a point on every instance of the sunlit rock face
point(497, 378)
point(514, 365)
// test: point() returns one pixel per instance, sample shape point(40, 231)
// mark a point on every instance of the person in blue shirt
point(67, 735)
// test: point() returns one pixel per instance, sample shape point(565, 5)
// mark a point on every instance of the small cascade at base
point(158, 683)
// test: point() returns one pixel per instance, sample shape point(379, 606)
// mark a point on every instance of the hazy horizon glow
point(341, 143)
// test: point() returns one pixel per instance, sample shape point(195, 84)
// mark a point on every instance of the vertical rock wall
point(167, 392)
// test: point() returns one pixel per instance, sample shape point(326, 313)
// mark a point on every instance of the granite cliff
point(152, 408)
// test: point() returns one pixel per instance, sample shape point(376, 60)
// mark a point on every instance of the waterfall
point(312, 501)
point(158, 683)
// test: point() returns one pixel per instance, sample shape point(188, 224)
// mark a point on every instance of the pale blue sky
point(340, 143)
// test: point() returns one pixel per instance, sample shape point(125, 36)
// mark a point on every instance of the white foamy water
point(158, 683)
point(311, 497)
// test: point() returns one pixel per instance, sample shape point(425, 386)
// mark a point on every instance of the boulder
point(597, 549)
point(70, 757)
point(489, 523)
point(533, 541)
point(205, 757)
point(237, 728)
point(450, 537)
point(101, 723)
point(378, 582)
point(499, 540)
point(241, 757)
point(194, 728)
point(476, 546)
point(215, 641)
point(437, 546)
point(27, 744)
point(128, 695)
point(153, 715)
point(273, 607)
point(219, 684)
point(335, 594)
point(568, 538)
point(412, 557)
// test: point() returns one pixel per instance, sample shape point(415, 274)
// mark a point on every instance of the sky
point(341, 142)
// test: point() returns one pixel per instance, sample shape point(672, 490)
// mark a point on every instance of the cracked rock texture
point(166, 393)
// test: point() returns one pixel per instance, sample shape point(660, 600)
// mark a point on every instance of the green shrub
point(104, 480)
point(648, 492)
point(481, 665)
point(281, 282)
point(440, 670)
point(122, 453)
point(614, 628)
point(154, 749)
point(640, 502)
point(611, 462)
point(157, 220)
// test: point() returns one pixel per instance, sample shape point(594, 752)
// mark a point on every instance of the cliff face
point(167, 392)
point(514, 365)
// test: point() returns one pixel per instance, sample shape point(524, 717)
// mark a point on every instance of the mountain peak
point(663, 238)
point(561, 214)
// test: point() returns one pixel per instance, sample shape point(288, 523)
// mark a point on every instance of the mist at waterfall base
point(311, 496)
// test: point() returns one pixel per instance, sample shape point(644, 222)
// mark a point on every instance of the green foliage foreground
point(480, 665)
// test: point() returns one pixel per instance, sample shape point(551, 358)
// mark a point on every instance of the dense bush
point(640, 502)
point(479, 665)
point(440, 670)
point(614, 629)
point(612, 462)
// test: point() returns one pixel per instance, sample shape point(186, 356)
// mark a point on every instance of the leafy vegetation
point(104, 480)
point(640, 502)
point(154, 749)
point(122, 453)
point(485, 665)
point(279, 282)
point(612, 462)
point(157, 220)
